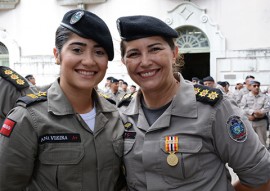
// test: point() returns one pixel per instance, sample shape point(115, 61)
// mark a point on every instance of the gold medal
point(172, 159)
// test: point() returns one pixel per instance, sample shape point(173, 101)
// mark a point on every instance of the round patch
point(76, 17)
point(236, 129)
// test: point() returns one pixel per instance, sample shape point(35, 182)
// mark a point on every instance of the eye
point(132, 54)
point(155, 49)
point(100, 52)
point(77, 50)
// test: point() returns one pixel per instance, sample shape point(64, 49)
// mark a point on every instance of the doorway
point(196, 65)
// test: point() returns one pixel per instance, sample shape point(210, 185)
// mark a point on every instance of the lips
point(148, 73)
point(86, 73)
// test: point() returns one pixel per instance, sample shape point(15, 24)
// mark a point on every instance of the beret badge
point(76, 17)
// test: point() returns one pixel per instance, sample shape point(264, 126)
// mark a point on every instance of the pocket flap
point(61, 154)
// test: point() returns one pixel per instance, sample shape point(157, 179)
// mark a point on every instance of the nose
point(88, 59)
point(146, 60)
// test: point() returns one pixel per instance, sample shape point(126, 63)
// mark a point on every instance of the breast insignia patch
point(207, 95)
point(13, 77)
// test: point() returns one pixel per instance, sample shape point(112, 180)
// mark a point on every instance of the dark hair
point(29, 76)
point(250, 76)
point(170, 42)
point(61, 37)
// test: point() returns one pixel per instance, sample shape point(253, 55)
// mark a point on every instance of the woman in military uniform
point(68, 138)
point(179, 136)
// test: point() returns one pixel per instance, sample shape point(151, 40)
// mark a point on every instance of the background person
point(68, 138)
point(176, 139)
point(256, 107)
point(12, 86)
point(31, 79)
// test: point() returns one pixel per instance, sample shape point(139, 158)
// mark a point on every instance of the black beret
point(114, 80)
point(208, 78)
point(141, 26)
point(223, 84)
point(195, 79)
point(90, 26)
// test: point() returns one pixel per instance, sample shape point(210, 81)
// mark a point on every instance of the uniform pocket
point(61, 154)
point(62, 166)
point(188, 166)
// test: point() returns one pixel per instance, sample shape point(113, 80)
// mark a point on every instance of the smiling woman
point(67, 138)
point(179, 136)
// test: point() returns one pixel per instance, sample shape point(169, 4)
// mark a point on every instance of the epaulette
point(30, 99)
point(126, 99)
point(13, 77)
point(107, 98)
point(207, 95)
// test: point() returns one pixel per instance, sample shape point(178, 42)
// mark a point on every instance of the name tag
point(129, 135)
point(59, 138)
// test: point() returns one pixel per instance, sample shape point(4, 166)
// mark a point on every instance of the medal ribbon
point(171, 144)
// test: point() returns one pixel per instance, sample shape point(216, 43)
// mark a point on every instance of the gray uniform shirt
point(46, 146)
point(207, 141)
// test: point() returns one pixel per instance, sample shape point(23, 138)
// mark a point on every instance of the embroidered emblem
point(197, 90)
point(207, 95)
point(7, 127)
point(76, 17)
point(59, 138)
point(15, 79)
point(212, 95)
point(128, 125)
point(8, 72)
point(236, 129)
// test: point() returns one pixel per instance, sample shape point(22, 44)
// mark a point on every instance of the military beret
point(114, 80)
point(255, 82)
point(208, 78)
point(141, 26)
point(90, 26)
point(195, 79)
point(223, 84)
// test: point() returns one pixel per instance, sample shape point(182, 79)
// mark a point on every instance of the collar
point(184, 103)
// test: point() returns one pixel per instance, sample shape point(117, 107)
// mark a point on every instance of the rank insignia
point(30, 99)
point(14, 78)
point(207, 95)
point(128, 125)
point(236, 129)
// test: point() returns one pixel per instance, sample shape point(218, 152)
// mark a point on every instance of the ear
point(122, 59)
point(56, 56)
point(175, 53)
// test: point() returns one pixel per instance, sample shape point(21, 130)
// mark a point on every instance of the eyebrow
point(84, 44)
point(149, 46)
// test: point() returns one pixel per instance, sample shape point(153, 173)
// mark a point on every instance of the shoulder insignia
point(29, 99)
point(107, 98)
point(13, 77)
point(126, 99)
point(207, 95)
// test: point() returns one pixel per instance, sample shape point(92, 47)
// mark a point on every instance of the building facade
point(223, 38)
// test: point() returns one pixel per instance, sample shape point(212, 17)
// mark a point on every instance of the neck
point(81, 101)
point(158, 99)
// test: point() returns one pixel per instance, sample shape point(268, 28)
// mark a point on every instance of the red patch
point(7, 127)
